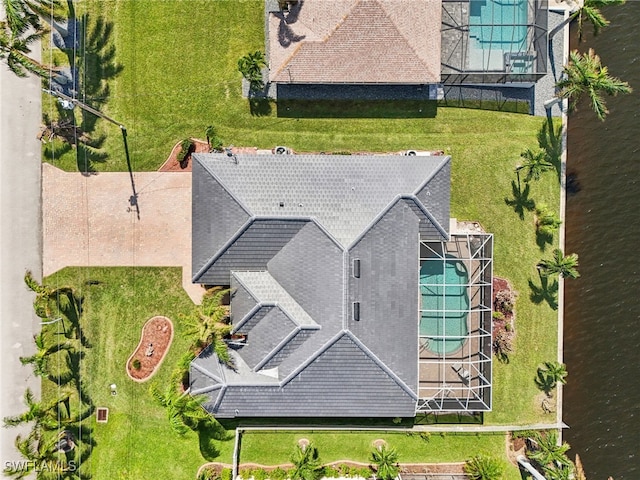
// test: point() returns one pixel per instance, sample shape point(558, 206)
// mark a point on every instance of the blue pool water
point(498, 24)
point(446, 299)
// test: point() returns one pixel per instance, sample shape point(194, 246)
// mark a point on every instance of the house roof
point(356, 41)
point(290, 269)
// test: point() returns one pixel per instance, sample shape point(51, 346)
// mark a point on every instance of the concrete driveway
point(89, 220)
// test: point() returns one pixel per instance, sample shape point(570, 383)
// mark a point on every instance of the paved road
point(20, 242)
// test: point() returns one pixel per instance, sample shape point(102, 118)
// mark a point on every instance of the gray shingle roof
point(293, 288)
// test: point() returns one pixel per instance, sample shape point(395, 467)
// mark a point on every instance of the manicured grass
point(137, 441)
point(269, 448)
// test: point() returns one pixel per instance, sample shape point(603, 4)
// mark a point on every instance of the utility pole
point(83, 106)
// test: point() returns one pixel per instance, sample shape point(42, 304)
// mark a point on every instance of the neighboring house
point(355, 41)
point(408, 42)
point(351, 296)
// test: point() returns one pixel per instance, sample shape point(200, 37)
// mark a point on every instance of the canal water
point(602, 309)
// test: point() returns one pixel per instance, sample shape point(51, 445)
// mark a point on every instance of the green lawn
point(137, 441)
point(270, 448)
point(166, 72)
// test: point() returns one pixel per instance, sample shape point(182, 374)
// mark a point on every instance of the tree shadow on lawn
point(97, 63)
point(550, 140)
point(546, 292)
point(543, 239)
point(520, 201)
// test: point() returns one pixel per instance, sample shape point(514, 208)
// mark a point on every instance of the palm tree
point(206, 323)
point(483, 468)
point(549, 451)
point(547, 221)
point(49, 417)
point(251, 65)
point(590, 12)
point(565, 266)
point(386, 461)
point(561, 472)
point(23, 14)
point(534, 163)
point(40, 359)
point(549, 375)
point(306, 463)
point(36, 449)
point(184, 411)
point(585, 74)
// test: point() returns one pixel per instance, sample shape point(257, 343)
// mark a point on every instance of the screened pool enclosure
point(455, 323)
point(503, 39)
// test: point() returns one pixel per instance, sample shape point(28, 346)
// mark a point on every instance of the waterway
point(602, 310)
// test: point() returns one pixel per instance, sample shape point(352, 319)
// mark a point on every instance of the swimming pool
point(444, 304)
point(496, 28)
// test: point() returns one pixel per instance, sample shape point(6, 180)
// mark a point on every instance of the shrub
point(547, 221)
point(497, 315)
point(502, 344)
point(186, 147)
point(278, 474)
point(226, 474)
point(484, 468)
point(504, 301)
point(259, 474)
point(330, 472)
point(136, 364)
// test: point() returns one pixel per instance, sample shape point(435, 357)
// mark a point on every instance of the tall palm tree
point(534, 164)
point(23, 14)
point(585, 74)
point(590, 12)
point(48, 416)
point(183, 410)
point(483, 468)
point(386, 461)
point(40, 359)
point(565, 266)
point(36, 449)
point(550, 374)
point(306, 463)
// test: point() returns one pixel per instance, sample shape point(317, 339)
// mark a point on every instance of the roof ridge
point(381, 364)
point(408, 43)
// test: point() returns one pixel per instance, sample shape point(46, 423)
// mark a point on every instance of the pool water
point(496, 28)
point(445, 305)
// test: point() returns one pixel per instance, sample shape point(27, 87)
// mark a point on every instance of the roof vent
point(356, 268)
point(282, 150)
point(281, 204)
point(356, 311)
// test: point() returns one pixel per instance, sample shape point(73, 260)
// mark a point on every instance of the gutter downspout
point(236, 454)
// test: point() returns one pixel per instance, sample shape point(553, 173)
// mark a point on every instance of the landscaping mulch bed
point(155, 340)
point(173, 165)
point(498, 285)
point(200, 146)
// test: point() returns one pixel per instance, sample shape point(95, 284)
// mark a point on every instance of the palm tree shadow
point(520, 201)
point(546, 292)
point(543, 239)
point(550, 140)
point(98, 65)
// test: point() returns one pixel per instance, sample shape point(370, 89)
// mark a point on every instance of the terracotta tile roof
point(356, 41)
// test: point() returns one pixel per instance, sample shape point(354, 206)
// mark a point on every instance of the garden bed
point(155, 340)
